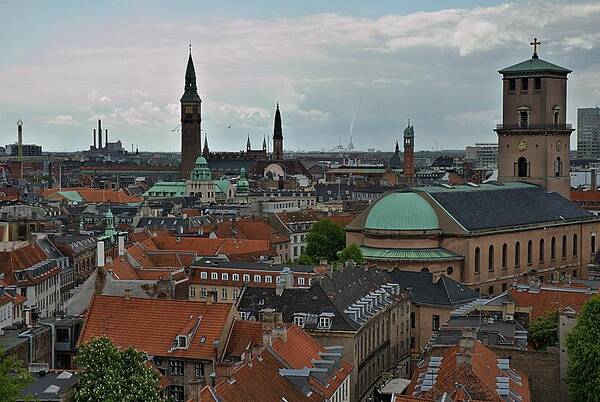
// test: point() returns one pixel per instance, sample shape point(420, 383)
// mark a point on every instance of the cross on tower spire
point(535, 45)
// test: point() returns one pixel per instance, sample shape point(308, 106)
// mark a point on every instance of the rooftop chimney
point(127, 294)
point(466, 346)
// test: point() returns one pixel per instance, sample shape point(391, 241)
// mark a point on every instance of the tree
point(324, 240)
point(111, 375)
point(544, 330)
point(13, 377)
point(305, 259)
point(583, 374)
point(351, 252)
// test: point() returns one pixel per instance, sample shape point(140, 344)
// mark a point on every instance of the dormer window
point(324, 322)
point(203, 275)
point(214, 275)
point(246, 278)
point(300, 319)
point(182, 341)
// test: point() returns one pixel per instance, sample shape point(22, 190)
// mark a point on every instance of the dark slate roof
point(253, 300)
point(213, 263)
point(36, 390)
point(507, 206)
point(289, 166)
point(326, 192)
point(171, 223)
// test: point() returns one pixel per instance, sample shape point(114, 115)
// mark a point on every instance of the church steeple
point(205, 150)
point(191, 119)
point(248, 147)
point(277, 136)
point(265, 143)
point(190, 93)
point(397, 147)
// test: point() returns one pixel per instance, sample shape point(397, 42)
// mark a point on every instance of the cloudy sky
point(339, 68)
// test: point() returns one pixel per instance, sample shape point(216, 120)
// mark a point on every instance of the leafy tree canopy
point(305, 259)
point(351, 252)
point(324, 240)
point(583, 347)
point(111, 375)
point(544, 330)
point(13, 377)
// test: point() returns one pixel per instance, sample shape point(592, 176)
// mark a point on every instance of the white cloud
point(61, 119)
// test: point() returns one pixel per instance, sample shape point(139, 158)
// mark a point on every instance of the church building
point(489, 236)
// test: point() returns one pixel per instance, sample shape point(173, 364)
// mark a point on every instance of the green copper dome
point(242, 184)
point(402, 211)
point(201, 172)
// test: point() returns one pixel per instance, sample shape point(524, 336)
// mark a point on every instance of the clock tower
point(190, 121)
point(534, 138)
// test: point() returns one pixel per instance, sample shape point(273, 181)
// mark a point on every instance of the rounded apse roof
point(402, 211)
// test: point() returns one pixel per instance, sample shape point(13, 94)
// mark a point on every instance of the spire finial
point(535, 45)
point(190, 48)
point(277, 105)
point(408, 122)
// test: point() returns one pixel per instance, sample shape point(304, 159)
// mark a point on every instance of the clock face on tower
point(522, 145)
point(189, 109)
point(559, 145)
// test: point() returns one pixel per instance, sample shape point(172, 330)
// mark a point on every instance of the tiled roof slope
point(251, 229)
point(549, 299)
point(244, 334)
point(507, 206)
point(151, 325)
point(468, 376)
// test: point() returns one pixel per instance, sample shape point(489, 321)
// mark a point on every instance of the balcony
point(534, 127)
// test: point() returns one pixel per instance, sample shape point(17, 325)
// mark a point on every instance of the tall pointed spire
point(248, 147)
point(277, 136)
point(397, 147)
point(205, 150)
point(190, 90)
point(264, 142)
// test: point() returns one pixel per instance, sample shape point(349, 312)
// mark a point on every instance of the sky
point(340, 69)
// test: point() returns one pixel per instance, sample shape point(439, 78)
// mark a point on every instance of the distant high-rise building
point(409, 151)
point(482, 155)
point(588, 133)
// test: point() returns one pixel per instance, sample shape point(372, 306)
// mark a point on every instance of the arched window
point(517, 254)
point(477, 260)
point(504, 255)
point(529, 252)
point(522, 167)
point(542, 250)
point(574, 245)
point(553, 248)
point(491, 258)
point(557, 167)
point(564, 246)
point(424, 269)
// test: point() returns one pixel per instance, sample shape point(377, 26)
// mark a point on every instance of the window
point(523, 118)
point(301, 281)
point(192, 291)
point(176, 367)
point(553, 248)
point(257, 278)
point(512, 84)
point(198, 370)
point(537, 83)
point(299, 320)
point(449, 271)
point(235, 277)
point(214, 275)
point(412, 319)
point(182, 341)
point(524, 84)
point(593, 242)
point(203, 292)
point(225, 276)
point(542, 250)
point(556, 111)
point(491, 290)
point(325, 322)
point(236, 293)
point(529, 252)
point(504, 287)
point(176, 393)
point(574, 245)
point(557, 167)
point(62, 335)
point(491, 258)
point(477, 260)
point(246, 278)
point(435, 322)
point(268, 279)
point(224, 293)
point(517, 254)
point(203, 275)
point(522, 167)
point(564, 246)
point(504, 255)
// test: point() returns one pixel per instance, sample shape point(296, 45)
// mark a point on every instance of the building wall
point(422, 329)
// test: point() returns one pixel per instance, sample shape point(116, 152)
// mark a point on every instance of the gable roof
point(152, 325)
point(546, 299)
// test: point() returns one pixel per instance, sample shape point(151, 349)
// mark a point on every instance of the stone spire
point(264, 143)
point(248, 147)
point(397, 147)
point(277, 131)
point(205, 150)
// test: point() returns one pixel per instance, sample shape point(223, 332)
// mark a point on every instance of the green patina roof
point(177, 187)
point(402, 211)
point(479, 187)
point(222, 185)
point(408, 254)
point(534, 64)
point(72, 196)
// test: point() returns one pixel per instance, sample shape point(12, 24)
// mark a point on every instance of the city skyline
point(337, 70)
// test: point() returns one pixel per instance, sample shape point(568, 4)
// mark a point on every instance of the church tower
point(534, 138)
point(190, 121)
point(409, 152)
point(277, 136)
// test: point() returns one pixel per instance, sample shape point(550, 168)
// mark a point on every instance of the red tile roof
point(549, 299)
point(151, 325)
point(235, 249)
point(244, 335)
point(251, 229)
point(300, 216)
point(22, 258)
point(95, 195)
point(476, 381)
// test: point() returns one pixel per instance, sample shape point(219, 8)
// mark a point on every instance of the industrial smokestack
point(94, 138)
point(20, 139)
point(106, 137)
point(594, 180)
point(99, 134)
